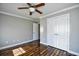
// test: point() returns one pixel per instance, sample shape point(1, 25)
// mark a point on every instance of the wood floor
point(36, 49)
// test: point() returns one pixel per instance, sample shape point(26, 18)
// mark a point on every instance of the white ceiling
point(47, 9)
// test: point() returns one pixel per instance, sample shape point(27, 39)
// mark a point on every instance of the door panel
point(51, 32)
point(62, 38)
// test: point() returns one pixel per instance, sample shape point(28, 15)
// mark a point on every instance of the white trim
point(69, 31)
point(43, 43)
point(15, 44)
point(70, 51)
point(69, 8)
point(10, 14)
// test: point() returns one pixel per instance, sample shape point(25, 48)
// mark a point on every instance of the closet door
point(58, 31)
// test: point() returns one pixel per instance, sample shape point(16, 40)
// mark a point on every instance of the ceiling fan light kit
point(32, 9)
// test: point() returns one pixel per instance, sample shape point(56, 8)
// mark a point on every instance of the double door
point(58, 31)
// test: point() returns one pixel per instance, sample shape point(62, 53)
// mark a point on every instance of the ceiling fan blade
point(29, 4)
point(38, 11)
point(23, 7)
point(30, 13)
point(39, 5)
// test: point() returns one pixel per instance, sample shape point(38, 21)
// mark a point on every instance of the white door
point(35, 31)
point(51, 38)
point(58, 31)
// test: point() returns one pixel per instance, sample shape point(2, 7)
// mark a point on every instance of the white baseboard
point(15, 44)
point(43, 43)
point(35, 39)
point(70, 51)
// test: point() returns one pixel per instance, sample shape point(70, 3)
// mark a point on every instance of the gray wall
point(14, 30)
point(74, 28)
point(43, 34)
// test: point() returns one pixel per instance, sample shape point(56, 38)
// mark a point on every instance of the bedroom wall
point(14, 30)
point(74, 28)
point(43, 31)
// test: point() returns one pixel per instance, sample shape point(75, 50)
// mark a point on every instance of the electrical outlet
point(7, 42)
point(17, 40)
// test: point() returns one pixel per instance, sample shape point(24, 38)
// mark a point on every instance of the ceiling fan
point(33, 8)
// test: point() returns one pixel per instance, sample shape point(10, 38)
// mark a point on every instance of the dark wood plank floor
point(36, 49)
